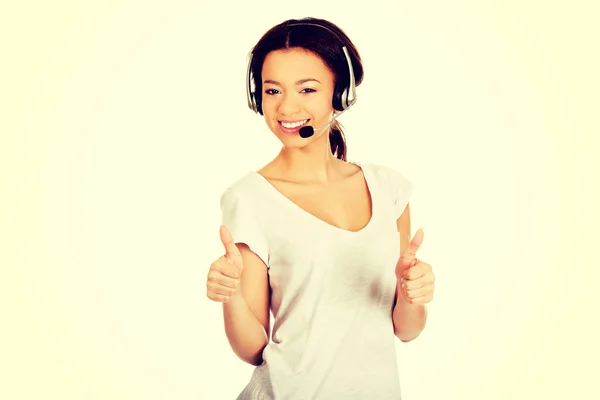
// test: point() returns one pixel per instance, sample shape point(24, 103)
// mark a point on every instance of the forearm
point(408, 319)
point(245, 333)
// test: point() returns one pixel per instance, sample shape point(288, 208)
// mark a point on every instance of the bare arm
point(246, 314)
point(409, 320)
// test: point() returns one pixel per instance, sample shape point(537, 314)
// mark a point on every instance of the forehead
point(292, 64)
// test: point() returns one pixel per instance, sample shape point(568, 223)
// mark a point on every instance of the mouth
point(292, 126)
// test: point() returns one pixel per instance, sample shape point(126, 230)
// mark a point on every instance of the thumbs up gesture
point(225, 272)
point(415, 277)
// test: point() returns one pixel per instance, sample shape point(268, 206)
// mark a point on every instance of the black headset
point(342, 99)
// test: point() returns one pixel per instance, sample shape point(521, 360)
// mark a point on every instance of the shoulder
point(244, 187)
point(394, 185)
point(243, 214)
point(389, 177)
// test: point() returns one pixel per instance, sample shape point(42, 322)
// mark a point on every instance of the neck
point(314, 162)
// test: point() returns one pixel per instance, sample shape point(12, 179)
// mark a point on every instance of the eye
point(270, 91)
point(309, 90)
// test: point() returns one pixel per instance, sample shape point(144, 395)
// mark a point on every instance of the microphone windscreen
point(306, 131)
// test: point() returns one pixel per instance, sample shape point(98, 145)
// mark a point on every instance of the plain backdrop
point(124, 121)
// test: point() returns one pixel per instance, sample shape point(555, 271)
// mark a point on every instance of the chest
point(346, 205)
point(334, 268)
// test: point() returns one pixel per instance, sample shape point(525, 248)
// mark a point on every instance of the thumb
point(406, 260)
point(232, 253)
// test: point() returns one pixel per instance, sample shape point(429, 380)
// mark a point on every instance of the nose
point(288, 104)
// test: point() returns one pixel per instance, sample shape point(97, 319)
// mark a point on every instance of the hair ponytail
point(337, 141)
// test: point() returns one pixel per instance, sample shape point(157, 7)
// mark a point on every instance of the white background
point(124, 122)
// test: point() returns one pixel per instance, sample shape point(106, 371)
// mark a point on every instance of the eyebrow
point(300, 82)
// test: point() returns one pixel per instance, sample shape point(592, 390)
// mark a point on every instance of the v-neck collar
point(371, 187)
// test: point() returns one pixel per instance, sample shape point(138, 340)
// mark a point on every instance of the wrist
point(236, 299)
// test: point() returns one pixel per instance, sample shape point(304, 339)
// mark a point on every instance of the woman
point(320, 242)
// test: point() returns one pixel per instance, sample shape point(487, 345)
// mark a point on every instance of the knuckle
point(223, 290)
point(220, 262)
point(212, 296)
point(220, 279)
point(219, 296)
point(214, 265)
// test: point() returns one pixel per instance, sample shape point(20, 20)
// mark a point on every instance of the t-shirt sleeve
point(240, 217)
point(401, 189)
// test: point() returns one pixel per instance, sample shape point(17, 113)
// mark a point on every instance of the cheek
point(267, 104)
point(322, 99)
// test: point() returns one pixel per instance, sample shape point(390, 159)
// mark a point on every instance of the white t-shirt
point(332, 291)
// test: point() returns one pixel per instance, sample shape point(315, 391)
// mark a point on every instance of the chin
point(291, 139)
point(293, 142)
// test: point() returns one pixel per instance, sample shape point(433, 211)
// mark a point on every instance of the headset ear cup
point(254, 102)
point(258, 103)
point(344, 99)
point(338, 98)
point(335, 101)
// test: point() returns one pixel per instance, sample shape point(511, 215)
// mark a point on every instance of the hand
point(225, 272)
point(415, 277)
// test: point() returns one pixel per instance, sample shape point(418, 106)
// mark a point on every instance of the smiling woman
point(310, 63)
point(283, 103)
point(321, 243)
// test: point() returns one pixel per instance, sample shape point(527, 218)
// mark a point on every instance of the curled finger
point(223, 280)
point(219, 289)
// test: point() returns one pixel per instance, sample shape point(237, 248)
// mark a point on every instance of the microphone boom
point(307, 131)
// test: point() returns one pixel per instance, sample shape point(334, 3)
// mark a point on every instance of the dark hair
point(324, 44)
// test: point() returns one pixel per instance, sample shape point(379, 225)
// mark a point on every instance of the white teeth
point(293, 124)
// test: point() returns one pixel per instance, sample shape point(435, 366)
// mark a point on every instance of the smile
point(292, 125)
